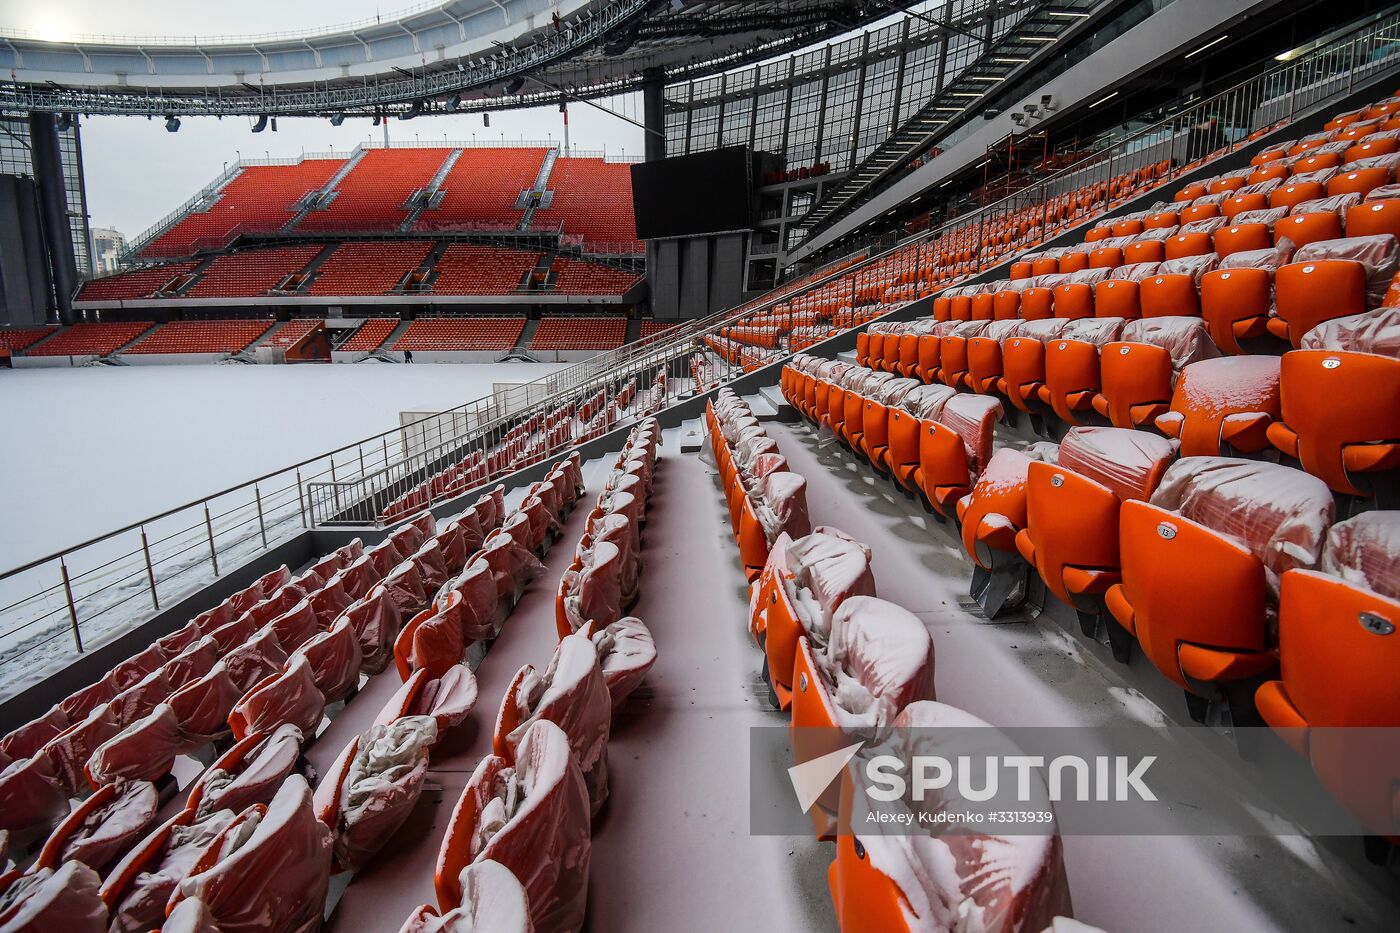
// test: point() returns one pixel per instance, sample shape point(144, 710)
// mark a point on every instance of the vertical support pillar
point(654, 116)
point(53, 208)
point(654, 143)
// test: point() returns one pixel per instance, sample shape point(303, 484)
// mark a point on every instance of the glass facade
point(15, 159)
point(832, 104)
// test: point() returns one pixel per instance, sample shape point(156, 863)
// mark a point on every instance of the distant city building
point(107, 246)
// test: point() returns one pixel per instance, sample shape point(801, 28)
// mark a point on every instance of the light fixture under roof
point(1105, 99)
point(1008, 60)
point(1215, 41)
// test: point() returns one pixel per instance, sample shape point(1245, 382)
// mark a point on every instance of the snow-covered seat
point(1138, 371)
point(287, 697)
point(590, 591)
point(249, 772)
point(961, 878)
point(259, 657)
point(954, 447)
point(1201, 565)
point(103, 827)
point(993, 513)
point(1330, 279)
point(448, 698)
point(136, 890)
point(803, 583)
point(66, 899)
point(1336, 681)
point(571, 693)
point(433, 640)
point(1219, 405)
point(531, 815)
point(281, 851)
point(32, 797)
point(1354, 446)
point(877, 660)
point(1072, 507)
point(375, 620)
point(373, 786)
point(335, 660)
point(145, 750)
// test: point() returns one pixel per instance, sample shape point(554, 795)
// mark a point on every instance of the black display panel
point(706, 192)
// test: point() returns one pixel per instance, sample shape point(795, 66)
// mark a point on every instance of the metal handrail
point(243, 520)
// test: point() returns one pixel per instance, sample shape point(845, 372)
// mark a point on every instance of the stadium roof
point(456, 55)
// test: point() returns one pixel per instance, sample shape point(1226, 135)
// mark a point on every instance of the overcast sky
point(137, 172)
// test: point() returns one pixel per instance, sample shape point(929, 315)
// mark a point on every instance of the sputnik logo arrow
point(811, 778)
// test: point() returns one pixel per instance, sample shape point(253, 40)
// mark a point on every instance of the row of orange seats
point(1190, 556)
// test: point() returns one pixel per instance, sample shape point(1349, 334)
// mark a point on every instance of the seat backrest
point(1278, 513)
point(1130, 463)
point(1365, 551)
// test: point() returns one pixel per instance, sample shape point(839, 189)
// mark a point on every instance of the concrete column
point(654, 115)
point(53, 207)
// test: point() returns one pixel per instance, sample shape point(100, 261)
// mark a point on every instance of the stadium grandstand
point(958, 488)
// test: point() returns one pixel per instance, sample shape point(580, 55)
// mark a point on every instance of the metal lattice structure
point(459, 55)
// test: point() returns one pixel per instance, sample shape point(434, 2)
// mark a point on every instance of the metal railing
point(65, 602)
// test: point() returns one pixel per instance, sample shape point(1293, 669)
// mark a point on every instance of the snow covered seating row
point(273, 705)
point(930, 438)
point(765, 498)
point(850, 667)
point(1117, 527)
point(528, 442)
point(528, 808)
point(473, 603)
point(1167, 374)
point(601, 582)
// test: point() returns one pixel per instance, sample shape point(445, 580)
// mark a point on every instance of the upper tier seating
point(468, 269)
point(251, 273)
point(260, 198)
point(481, 189)
point(370, 335)
point(579, 333)
point(368, 268)
point(593, 199)
point(580, 277)
point(201, 337)
point(90, 339)
point(478, 333)
point(138, 283)
point(374, 194)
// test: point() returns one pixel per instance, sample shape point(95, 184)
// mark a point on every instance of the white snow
point(95, 448)
point(103, 447)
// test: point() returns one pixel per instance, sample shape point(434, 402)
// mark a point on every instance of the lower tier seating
point(16, 339)
point(201, 337)
point(477, 333)
point(579, 333)
point(90, 339)
point(370, 335)
point(241, 693)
